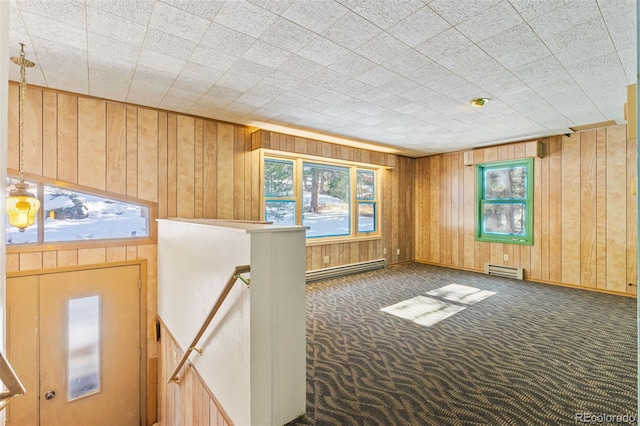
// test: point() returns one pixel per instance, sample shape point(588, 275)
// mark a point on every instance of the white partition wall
point(253, 352)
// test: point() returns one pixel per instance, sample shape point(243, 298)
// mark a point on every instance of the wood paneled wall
point(191, 167)
point(189, 402)
point(396, 201)
point(585, 211)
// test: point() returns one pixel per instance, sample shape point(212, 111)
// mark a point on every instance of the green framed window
point(504, 200)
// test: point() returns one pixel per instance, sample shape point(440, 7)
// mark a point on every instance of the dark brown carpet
point(531, 354)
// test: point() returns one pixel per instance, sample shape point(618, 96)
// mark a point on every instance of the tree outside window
point(505, 202)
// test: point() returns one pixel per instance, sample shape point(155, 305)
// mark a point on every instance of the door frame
point(142, 263)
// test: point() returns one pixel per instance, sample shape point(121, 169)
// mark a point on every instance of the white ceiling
point(393, 72)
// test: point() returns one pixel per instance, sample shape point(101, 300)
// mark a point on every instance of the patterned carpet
point(530, 354)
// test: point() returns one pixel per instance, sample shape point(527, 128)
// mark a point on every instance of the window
point(70, 215)
point(322, 196)
point(505, 202)
point(83, 350)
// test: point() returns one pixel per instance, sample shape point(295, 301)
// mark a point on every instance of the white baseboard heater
point(504, 271)
point(338, 271)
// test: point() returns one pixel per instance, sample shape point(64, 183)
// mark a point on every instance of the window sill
point(337, 240)
point(76, 245)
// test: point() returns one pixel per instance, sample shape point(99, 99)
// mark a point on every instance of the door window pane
point(83, 364)
point(325, 200)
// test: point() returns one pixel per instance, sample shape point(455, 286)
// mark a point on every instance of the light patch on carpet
point(423, 310)
point(461, 293)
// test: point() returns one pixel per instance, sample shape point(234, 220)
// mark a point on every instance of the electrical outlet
point(326, 259)
point(505, 257)
point(384, 250)
point(398, 252)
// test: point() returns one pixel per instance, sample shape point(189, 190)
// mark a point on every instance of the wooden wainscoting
point(585, 211)
point(189, 402)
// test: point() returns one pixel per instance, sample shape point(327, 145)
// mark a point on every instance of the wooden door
point(88, 347)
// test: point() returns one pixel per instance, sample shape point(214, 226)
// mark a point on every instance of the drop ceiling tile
point(266, 54)
point(352, 65)
point(465, 59)
point(110, 25)
point(275, 6)
point(382, 47)
point(138, 11)
point(111, 48)
point(447, 43)
point(16, 24)
point(64, 34)
point(524, 55)
point(323, 51)
point(418, 27)
point(241, 83)
point(426, 97)
point(279, 80)
point(226, 40)
point(192, 85)
point(168, 44)
point(455, 14)
point(176, 103)
point(225, 95)
point(69, 13)
point(428, 73)
point(192, 70)
point(292, 99)
point(55, 58)
point(316, 15)
point(252, 100)
point(509, 40)
point(64, 81)
point(178, 22)
point(399, 85)
point(541, 72)
point(265, 91)
point(490, 22)
point(407, 61)
point(581, 35)
point(384, 14)
point(308, 89)
point(245, 17)
point(353, 87)
point(564, 17)
point(585, 51)
point(377, 76)
point(531, 8)
point(212, 59)
point(596, 69)
point(351, 31)
point(299, 67)
point(288, 35)
point(327, 78)
point(159, 77)
point(160, 61)
point(203, 9)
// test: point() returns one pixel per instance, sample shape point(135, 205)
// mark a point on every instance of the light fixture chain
point(23, 87)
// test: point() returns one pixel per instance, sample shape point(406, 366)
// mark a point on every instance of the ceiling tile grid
point(394, 73)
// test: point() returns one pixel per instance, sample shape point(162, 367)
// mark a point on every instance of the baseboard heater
point(338, 271)
point(504, 271)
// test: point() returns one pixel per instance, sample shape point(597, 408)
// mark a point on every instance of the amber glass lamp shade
point(22, 207)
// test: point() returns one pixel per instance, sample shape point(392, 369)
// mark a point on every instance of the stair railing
point(237, 275)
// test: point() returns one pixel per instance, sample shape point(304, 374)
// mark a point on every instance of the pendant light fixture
point(22, 206)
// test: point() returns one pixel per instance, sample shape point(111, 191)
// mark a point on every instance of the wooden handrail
point(192, 347)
